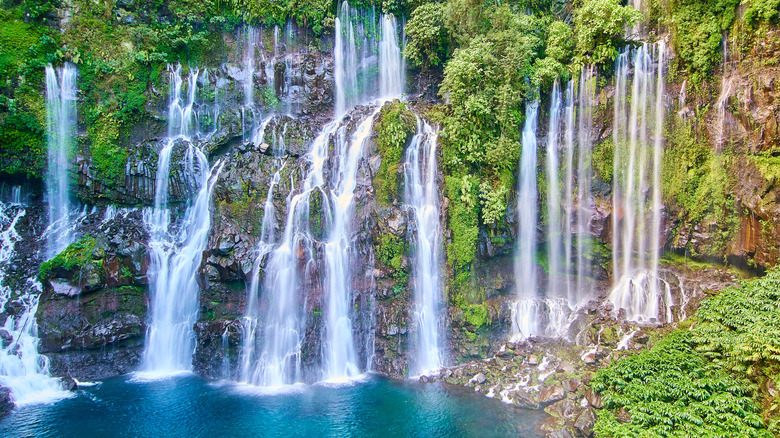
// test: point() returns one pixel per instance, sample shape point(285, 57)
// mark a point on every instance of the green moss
point(390, 251)
point(463, 220)
point(109, 158)
point(72, 259)
point(695, 185)
point(394, 129)
point(602, 160)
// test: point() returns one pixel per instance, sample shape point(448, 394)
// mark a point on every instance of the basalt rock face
point(291, 79)
point(92, 316)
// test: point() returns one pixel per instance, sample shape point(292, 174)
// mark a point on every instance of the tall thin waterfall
point(278, 362)
point(175, 256)
point(554, 226)
point(345, 61)
point(638, 149)
point(568, 193)
point(60, 140)
point(364, 47)
point(390, 73)
point(248, 109)
point(524, 320)
point(339, 347)
point(22, 369)
point(421, 195)
point(587, 92)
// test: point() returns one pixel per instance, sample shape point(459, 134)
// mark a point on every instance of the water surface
point(189, 406)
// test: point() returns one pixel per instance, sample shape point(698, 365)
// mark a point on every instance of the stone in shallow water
point(479, 378)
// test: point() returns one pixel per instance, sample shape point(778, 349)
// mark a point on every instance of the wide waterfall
point(524, 311)
point(638, 148)
point(421, 196)
point(275, 321)
point(569, 208)
point(175, 256)
point(61, 89)
point(22, 369)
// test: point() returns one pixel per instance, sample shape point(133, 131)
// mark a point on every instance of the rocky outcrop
point(92, 312)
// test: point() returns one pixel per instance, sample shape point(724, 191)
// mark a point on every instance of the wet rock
point(593, 398)
point(551, 394)
point(68, 383)
point(526, 400)
point(5, 338)
point(479, 378)
point(6, 402)
point(63, 287)
point(565, 409)
point(585, 422)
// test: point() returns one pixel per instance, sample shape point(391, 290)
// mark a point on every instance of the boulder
point(6, 401)
point(551, 394)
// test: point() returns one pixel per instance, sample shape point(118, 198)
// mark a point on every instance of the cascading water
point(364, 47)
point(275, 321)
point(175, 256)
point(568, 194)
point(587, 92)
point(345, 61)
point(22, 369)
point(339, 346)
point(421, 196)
point(554, 226)
point(524, 312)
point(390, 73)
point(638, 140)
point(61, 102)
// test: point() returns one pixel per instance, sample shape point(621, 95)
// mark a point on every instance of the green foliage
point(599, 25)
point(71, 259)
point(758, 11)
point(695, 183)
point(390, 251)
point(672, 390)
point(25, 48)
point(704, 381)
point(602, 160)
point(427, 45)
point(486, 82)
point(740, 327)
point(394, 129)
point(108, 157)
point(768, 164)
point(697, 28)
point(463, 220)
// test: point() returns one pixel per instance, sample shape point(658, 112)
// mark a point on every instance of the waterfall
point(525, 324)
point(367, 58)
point(638, 149)
point(61, 102)
point(275, 321)
point(338, 347)
point(279, 360)
point(390, 73)
point(587, 92)
point(22, 369)
point(421, 196)
point(345, 61)
point(568, 194)
point(554, 225)
point(175, 256)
